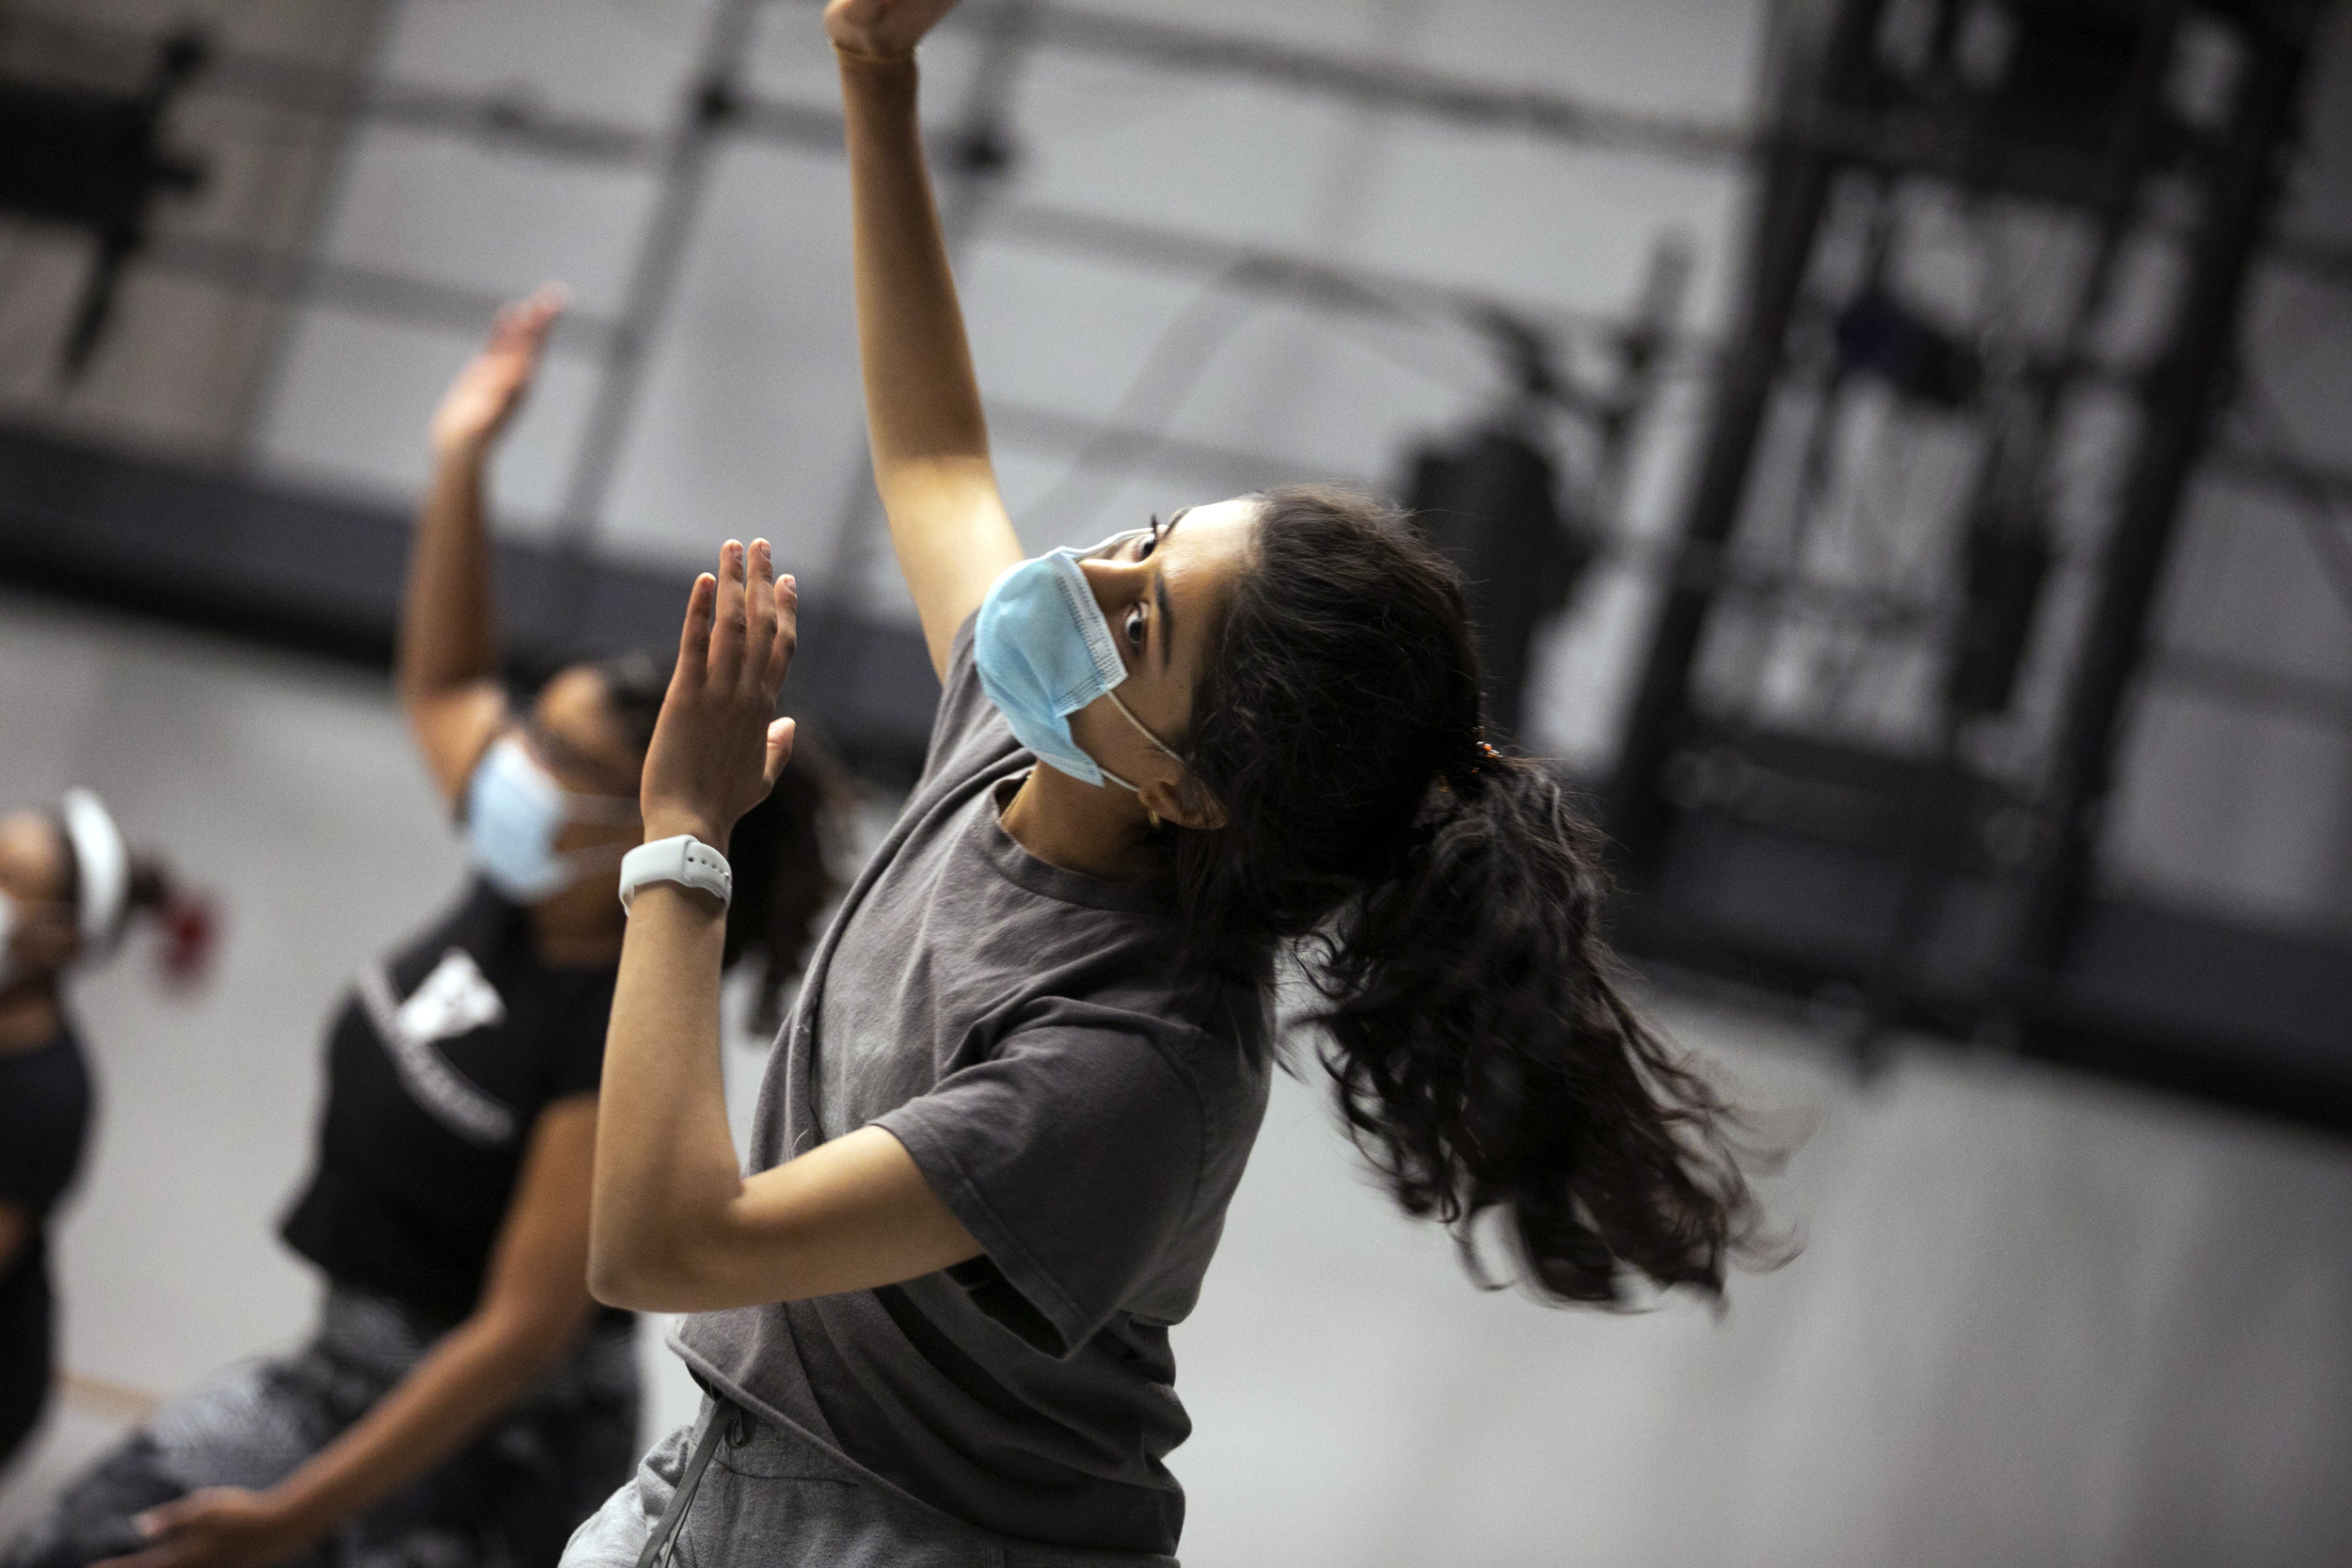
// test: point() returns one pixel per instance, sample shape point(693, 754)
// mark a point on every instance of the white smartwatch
point(682, 859)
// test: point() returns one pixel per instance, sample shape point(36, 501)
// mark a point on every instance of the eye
point(1149, 542)
point(1133, 627)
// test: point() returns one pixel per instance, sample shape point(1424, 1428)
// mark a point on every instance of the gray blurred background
point(1900, 447)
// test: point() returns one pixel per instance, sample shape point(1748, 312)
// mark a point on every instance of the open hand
point(486, 392)
point(888, 28)
point(717, 746)
point(221, 1526)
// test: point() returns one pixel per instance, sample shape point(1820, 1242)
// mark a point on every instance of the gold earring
point(1155, 816)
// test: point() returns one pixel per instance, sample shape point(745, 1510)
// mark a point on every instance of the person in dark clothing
point(462, 1402)
point(69, 887)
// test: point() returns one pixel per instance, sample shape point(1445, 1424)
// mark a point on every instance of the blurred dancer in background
point(69, 889)
point(463, 1400)
point(998, 1137)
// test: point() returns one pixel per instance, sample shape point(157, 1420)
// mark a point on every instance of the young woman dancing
point(69, 888)
point(463, 1402)
point(999, 1133)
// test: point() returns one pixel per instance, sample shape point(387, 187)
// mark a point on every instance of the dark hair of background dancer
point(1450, 901)
point(779, 853)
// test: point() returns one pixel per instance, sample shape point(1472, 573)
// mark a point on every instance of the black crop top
point(437, 1065)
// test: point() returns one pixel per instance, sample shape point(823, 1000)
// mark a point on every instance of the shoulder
point(477, 920)
point(1185, 1052)
point(967, 731)
point(44, 1118)
point(48, 1072)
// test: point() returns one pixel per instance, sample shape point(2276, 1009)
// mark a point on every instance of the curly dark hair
point(1446, 904)
point(784, 877)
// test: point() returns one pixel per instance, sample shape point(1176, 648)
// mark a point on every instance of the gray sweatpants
point(507, 1499)
point(777, 1500)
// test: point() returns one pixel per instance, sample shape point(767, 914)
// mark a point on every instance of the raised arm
point(675, 1225)
point(922, 401)
point(448, 658)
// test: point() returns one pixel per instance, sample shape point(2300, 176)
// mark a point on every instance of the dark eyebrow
point(1159, 588)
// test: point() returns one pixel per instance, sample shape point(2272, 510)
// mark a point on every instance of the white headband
point(104, 868)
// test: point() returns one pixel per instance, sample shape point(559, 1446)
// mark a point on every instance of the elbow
point(616, 1282)
point(418, 695)
point(686, 1273)
point(643, 1279)
point(650, 1256)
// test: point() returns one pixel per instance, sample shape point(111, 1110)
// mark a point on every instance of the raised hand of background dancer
point(447, 664)
point(479, 403)
point(717, 746)
point(886, 29)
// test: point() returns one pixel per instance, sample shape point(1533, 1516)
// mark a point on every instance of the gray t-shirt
point(1082, 1106)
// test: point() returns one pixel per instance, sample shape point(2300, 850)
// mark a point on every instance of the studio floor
point(2036, 1320)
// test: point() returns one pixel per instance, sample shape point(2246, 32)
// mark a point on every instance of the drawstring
point(725, 1416)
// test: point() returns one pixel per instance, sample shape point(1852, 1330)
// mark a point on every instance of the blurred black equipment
point(1491, 499)
point(1877, 335)
point(2001, 589)
point(1872, 744)
point(93, 160)
point(1489, 503)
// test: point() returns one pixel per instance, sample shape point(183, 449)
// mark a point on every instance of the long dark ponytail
point(1446, 904)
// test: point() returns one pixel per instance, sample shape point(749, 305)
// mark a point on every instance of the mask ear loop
point(1165, 751)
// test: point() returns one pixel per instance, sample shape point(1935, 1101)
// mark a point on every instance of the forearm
point(448, 631)
point(476, 1370)
point(922, 399)
point(929, 441)
point(666, 1174)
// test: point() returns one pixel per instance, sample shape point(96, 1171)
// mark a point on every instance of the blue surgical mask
point(514, 810)
point(1044, 651)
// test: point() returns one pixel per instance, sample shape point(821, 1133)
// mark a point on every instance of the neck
point(1097, 830)
point(29, 1015)
point(572, 932)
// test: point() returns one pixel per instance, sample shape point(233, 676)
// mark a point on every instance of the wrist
point(463, 455)
point(669, 821)
point(878, 82)
point(853, 59)
point(296, 1515)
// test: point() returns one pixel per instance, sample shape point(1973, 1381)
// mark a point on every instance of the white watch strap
point(683, 858)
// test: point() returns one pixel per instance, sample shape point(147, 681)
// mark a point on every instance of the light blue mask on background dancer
point(514, 810)
point(1044, 651)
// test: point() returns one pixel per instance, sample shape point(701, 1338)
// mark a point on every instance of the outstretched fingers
point(726, 637)
point(693, 641)
point(787, 633)
point(521, 327)
point(759, 622)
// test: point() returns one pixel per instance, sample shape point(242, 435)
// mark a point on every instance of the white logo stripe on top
point(408, 1033)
